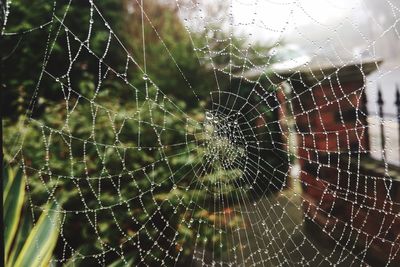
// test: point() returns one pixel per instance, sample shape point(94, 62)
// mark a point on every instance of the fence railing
point(382, 115)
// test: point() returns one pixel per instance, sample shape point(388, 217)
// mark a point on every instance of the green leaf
point(77, 258)
point(8, 176)
point(39, 246)
point(12, 209)
point(72, 262)
point(121, 263)
point(185, 231)
point(23, 232)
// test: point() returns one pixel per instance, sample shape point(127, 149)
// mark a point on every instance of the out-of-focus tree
point(135, 197)
point(34, 39)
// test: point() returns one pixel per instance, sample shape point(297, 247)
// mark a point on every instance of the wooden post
point(365, 111)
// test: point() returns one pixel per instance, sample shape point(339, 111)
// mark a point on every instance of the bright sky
point(271, 17)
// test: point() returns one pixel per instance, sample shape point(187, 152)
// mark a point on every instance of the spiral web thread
point(271, 231)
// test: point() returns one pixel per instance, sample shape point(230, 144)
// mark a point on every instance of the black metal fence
point(382, 116)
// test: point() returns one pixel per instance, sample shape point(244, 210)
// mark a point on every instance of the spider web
point(243, 180)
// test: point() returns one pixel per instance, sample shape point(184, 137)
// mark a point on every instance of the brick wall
point(341, 196)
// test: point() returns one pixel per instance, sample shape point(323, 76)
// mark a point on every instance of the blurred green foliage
point(96, 146)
